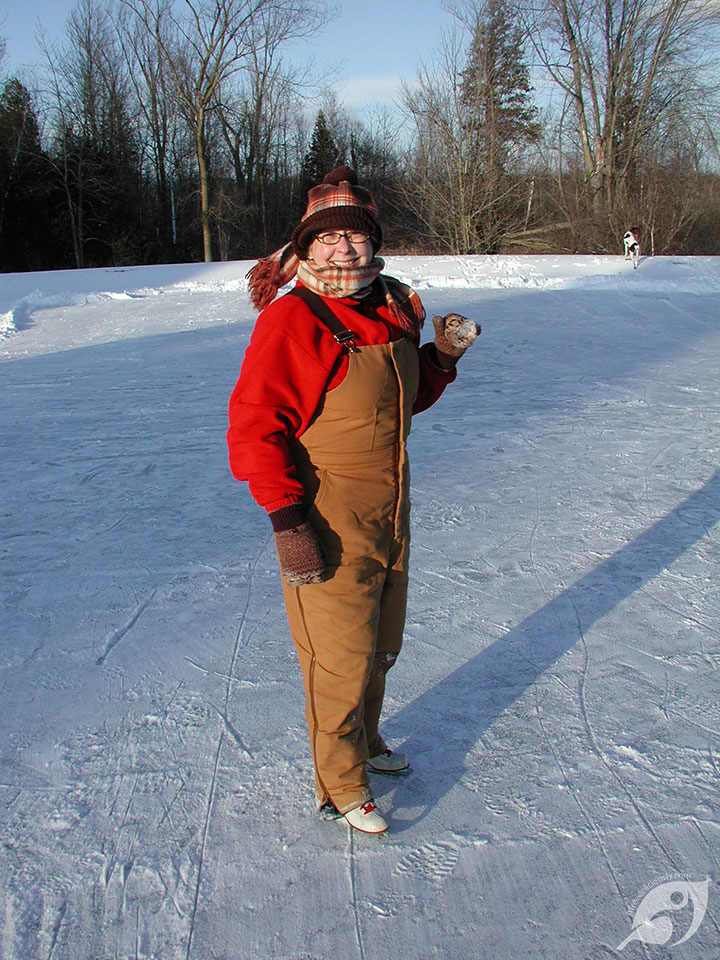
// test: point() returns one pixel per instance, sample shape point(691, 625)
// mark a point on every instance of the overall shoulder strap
point(323, 312)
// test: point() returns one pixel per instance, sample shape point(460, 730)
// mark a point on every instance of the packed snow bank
point(25, 295)
point(558, 272)
point(71, 285)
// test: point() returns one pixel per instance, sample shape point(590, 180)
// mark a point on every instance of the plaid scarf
point(271, 273)
point(339, 282)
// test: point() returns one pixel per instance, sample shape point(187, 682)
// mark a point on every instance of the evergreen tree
point(501, 118)
point(321, 157)
point(496, 88)
point(27, 196)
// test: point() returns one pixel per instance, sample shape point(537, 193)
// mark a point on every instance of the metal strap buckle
point(345, 338)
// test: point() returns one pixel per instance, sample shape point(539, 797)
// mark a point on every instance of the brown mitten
point(453, 335)
point(298, 548)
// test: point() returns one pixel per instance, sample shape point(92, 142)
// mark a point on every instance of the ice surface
point(558, 689)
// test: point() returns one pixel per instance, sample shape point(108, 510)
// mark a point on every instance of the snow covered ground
point(558, 691)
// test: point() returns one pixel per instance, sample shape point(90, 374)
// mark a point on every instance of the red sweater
point(292, 359)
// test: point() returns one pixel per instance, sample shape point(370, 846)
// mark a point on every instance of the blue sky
point(372, 42)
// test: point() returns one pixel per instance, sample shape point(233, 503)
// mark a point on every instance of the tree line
point(178, 130)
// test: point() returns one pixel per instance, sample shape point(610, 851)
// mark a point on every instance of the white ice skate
point(367, 819)
point(389, 761)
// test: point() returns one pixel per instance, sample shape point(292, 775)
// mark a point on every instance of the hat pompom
point(339, 174)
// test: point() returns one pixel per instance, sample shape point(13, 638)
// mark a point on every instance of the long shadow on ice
point(443, 725)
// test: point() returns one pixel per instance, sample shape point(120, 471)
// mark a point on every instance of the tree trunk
point(205, 212)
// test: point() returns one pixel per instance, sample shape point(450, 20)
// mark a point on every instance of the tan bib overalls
point(348, 629)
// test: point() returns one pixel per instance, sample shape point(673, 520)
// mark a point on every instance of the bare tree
point(625, 67)
point(256, 114)
point(95, 149)
point(444, 189)
point(158, 118)
point(205, 44)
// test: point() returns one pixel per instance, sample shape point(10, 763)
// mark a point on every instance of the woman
point(318, 423)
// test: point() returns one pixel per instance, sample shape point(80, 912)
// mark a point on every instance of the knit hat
point(337, 203)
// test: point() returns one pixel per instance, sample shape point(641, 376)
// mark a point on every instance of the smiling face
point(344, 253)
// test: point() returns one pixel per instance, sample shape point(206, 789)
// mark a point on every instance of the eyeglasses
point(352, 236)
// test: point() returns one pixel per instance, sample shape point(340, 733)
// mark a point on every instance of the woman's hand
point(298, 548)
point(453, 335)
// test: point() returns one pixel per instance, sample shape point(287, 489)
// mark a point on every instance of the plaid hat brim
point(335, 218)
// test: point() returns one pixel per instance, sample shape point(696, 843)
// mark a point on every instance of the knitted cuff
point(442, 360)
point(287, 518)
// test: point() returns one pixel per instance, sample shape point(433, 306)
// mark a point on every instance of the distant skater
point(632, 246)
point(318, 425)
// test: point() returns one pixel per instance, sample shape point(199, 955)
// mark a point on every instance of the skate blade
point(405, 772)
